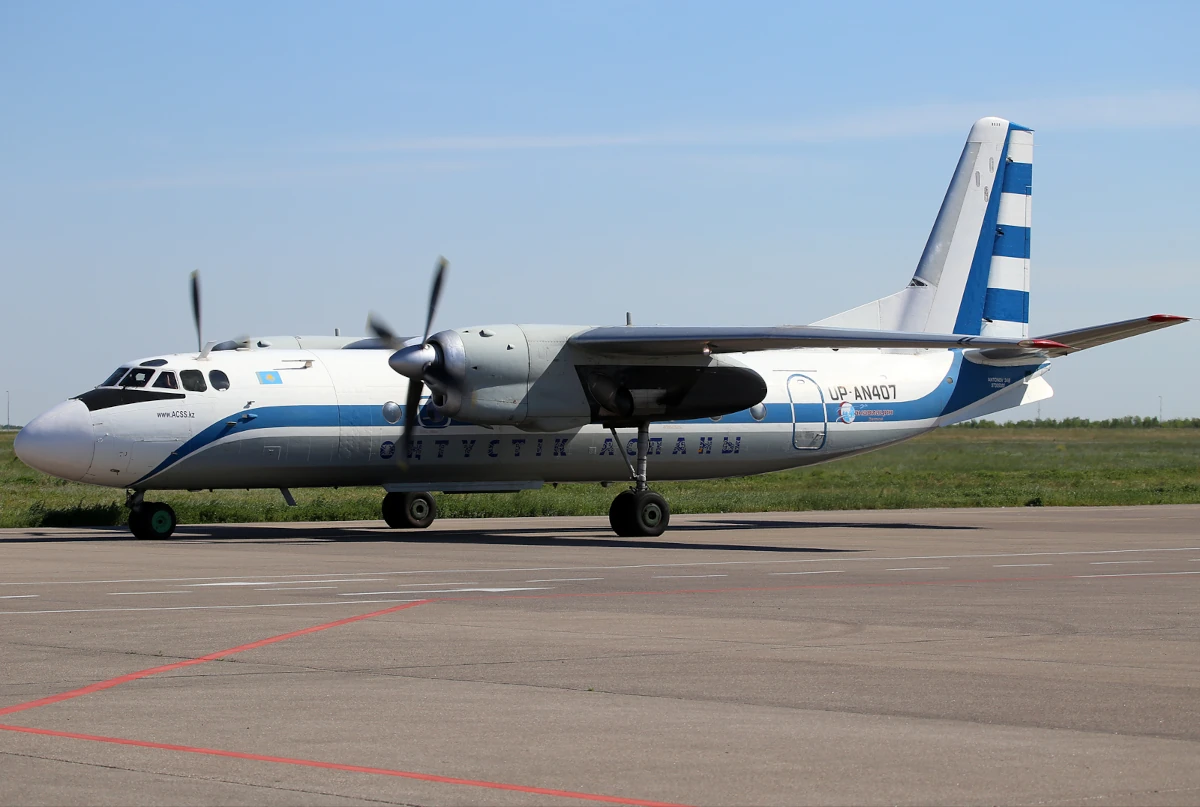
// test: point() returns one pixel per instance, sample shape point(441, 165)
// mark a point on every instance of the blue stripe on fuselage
point(968, 383)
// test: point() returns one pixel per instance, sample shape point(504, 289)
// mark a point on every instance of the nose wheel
point(639, 512)
point(407, 511)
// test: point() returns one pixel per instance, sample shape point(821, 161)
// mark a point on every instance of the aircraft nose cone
point(59, 441)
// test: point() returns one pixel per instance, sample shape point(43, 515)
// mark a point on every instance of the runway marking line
point(220, 654)
point(683, 576)
point(917, 568)
point(337, 766)
point(377, 573)
point(136, 593)
point(565, 580)
point(1135, 574)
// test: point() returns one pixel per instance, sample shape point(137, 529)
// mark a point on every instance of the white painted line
point(316, 577)
point(443, 583)
point(447, 591)
point(1116, 562)
point(1134, 574)
point(203, 607)
point(683, 576)
point(1018, 565)
point(917, 568)
point(298, 588)
point(132, 593)
point(19, 596)
point(819, 571)
point(286, 582)
point(564, 580)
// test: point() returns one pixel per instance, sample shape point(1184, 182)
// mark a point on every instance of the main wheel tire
point(152, 520)
point(651, 514)
point(409, 510)
point(620, 514)
point(138, 523)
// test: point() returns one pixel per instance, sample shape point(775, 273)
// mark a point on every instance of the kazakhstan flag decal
point(269, 377)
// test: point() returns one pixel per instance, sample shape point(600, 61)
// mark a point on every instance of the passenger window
point(138, 377)
point(112, 380)
point(166, 380)
point(219, 380)
point(193, 380)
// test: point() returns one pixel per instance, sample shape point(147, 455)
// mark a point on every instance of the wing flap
point(683, 341)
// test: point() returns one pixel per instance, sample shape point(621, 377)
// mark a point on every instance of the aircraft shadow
point(573, 536)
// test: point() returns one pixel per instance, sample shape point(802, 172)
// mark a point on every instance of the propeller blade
point(435, 293)
point(382, 331)
point(196, 307)
point(412, 407)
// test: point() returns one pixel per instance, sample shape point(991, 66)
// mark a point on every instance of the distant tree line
point(1127, 422)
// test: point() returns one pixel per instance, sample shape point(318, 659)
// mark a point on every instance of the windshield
point(112, 380)
point(138, 377)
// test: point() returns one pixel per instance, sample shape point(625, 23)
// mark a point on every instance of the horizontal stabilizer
point(683, 341)
point(1083, 338)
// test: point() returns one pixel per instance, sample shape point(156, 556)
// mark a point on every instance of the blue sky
point(751, 163)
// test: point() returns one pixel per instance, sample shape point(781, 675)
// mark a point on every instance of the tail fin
point(973, 277)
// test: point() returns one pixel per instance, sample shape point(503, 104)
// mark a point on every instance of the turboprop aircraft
point(512, 407)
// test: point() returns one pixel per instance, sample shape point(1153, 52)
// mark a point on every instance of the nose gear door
point(808, 413)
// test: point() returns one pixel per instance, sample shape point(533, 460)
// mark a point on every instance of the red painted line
point(336, 766)
point(133, 676)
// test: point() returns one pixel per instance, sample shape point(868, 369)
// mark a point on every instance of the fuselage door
point(808, 413)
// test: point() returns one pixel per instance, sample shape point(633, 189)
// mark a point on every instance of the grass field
point(948, 468)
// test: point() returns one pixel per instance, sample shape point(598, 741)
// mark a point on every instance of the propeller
point(196, 307)
point(418, 363)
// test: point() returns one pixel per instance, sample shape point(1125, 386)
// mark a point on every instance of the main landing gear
point(638, 512)
point(409, 510)
point(150, 519)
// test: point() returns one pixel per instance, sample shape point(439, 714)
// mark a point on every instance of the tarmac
point(1011, 656)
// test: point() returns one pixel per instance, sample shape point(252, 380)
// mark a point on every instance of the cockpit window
point(193, 380)
point(112, 380)
point(153, 363)
point(138, 377)
point(166, 380)
point(219, 380)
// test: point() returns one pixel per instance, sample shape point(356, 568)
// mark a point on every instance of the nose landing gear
point(150, 519)
point(638, 512)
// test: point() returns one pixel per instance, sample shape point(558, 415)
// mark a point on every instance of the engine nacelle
point(528, 376)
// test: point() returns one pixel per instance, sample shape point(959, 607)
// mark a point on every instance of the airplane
point(512, 407)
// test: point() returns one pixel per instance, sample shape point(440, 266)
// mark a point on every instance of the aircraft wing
point(683, 341)
point(1083, 338)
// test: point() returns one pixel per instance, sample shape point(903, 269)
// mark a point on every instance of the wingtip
point(1167, 318)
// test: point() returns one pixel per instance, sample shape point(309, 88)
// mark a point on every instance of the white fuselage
point(309, 418)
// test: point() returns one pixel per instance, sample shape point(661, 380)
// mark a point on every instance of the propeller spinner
point(419, 363)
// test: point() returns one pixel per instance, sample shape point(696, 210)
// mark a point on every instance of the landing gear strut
point(409, 510)
point(638, 512)
point(150, 519)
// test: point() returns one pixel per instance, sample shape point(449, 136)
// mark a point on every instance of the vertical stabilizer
point(973, 276)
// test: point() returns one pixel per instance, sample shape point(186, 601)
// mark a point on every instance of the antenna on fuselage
point(196, 308)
